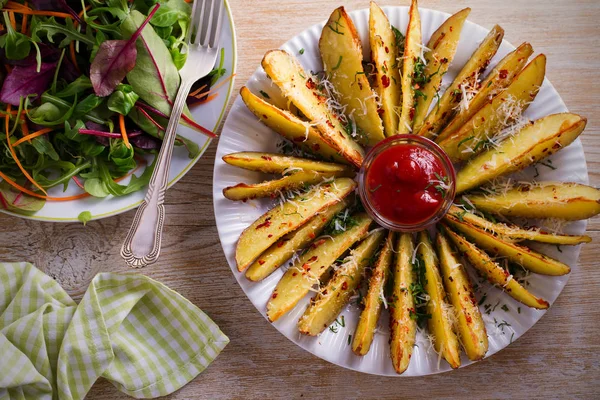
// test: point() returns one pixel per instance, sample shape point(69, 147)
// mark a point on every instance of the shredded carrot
point(197, 91)
point(139, 165)
point(24, 23)
point(207, 99)
point(14, 154)
point(123, 130)
point(19, 6)
point(24, 130)
point(218, 85)
point(36, 12)
point(189, 1)
point(72, 54)
point(32, 136)
point(13, 22)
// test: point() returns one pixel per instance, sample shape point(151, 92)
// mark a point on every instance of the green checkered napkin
point(143, 337)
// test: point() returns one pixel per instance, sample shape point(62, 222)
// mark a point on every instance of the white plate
point(243, 132)
point(208, 115)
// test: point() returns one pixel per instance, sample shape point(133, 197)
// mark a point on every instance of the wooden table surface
point(558, 358)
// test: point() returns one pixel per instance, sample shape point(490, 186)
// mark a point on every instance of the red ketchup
point(406, 184)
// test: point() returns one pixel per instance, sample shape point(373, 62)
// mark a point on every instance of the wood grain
point(558, 358)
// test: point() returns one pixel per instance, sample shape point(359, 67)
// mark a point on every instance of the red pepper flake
point(267, 223)
point(385, 81)
point(265, 116)
point(330, 123)
point(344, 285)
point(503, 74)
point(387, 50)
point(266, 158)
point(313, 259)
point(294, 274)
point(270, 235)
point(274, 295)
point(310, 84)
point(280, 243)
point(317, 243)
point(380, 111)
point(261, 262)
point(311, 235)
point(469, 319)
point(411, 113)
point(444, 60)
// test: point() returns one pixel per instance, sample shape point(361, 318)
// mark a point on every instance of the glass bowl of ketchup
point(406, 183)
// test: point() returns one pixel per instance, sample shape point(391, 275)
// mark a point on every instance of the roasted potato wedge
point(384, 53)
point(534, 142)
point(327, 304)
point(469, 324)
point(299, 279)
point(442, 113)
point(513, 233)
point(245, 191)
point(284, 248)
point(274, 163)
point(301, 88)
point(527, 258)
point(365, 330)
point(474, 136)
point(442, 47)
point(292, 128)
point(494, 272)
point(564, 200)
point(497, 80)
point(341, 52)
point(284, 219)
point(441, 322)
point(412, 52)
point(403, 328)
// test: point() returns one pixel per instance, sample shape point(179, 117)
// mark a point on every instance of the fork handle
point(142, 243)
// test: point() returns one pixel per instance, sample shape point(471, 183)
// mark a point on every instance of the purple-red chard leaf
point(25, 81)
point(114, 59)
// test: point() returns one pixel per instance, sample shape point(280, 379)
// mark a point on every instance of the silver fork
point(142, 244)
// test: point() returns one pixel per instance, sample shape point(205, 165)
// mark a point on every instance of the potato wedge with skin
point(445, 109)
point(513, 233)
point(527, 258)
point(245, 191)
point(497, 114)
point(304, 274)
point(286, 124)
point(442, 45)
point(403, 328)
point(412, 51)
point(365, 330)
point(285, 247)
point(497, 80)
point(440, 324)
point(327, 305)
point(534, 142)
point(284, 219)
point(341, 52)
point(494, 273)
point(563, 200)
point(470, 325)
point(384, 53)
point(300, 87)
point(275, 163)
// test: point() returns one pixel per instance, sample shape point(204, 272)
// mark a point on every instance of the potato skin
point(494, 273)
point(291, 127)
point(529, 259)
point(301, 89)
point(412, 49)
point(531, 144)
point(470, 325)
point(443, 44)
point(497, 80)
point(285, 247)
point(563, 200)
point(341, 53)
point(403, 328)
point(440, 324)
point(282, 220)
point(300, 277)
point(384, 52)
point(470, 139)
point(513, 233)
point(365, 330)
point(327, 305)
point(440, 115)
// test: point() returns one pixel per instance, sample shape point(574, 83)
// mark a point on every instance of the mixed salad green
point(86, 92)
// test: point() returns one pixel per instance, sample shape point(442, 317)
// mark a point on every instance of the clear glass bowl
point(400, 140)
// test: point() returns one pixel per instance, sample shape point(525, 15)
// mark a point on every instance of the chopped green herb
point(301, 51)
point(464, 140)
point(558, 248)
point(505, 308)
point(338, 64)
point(265, 94)
point(349, 339)
point(482, 300)
point(373, 190)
